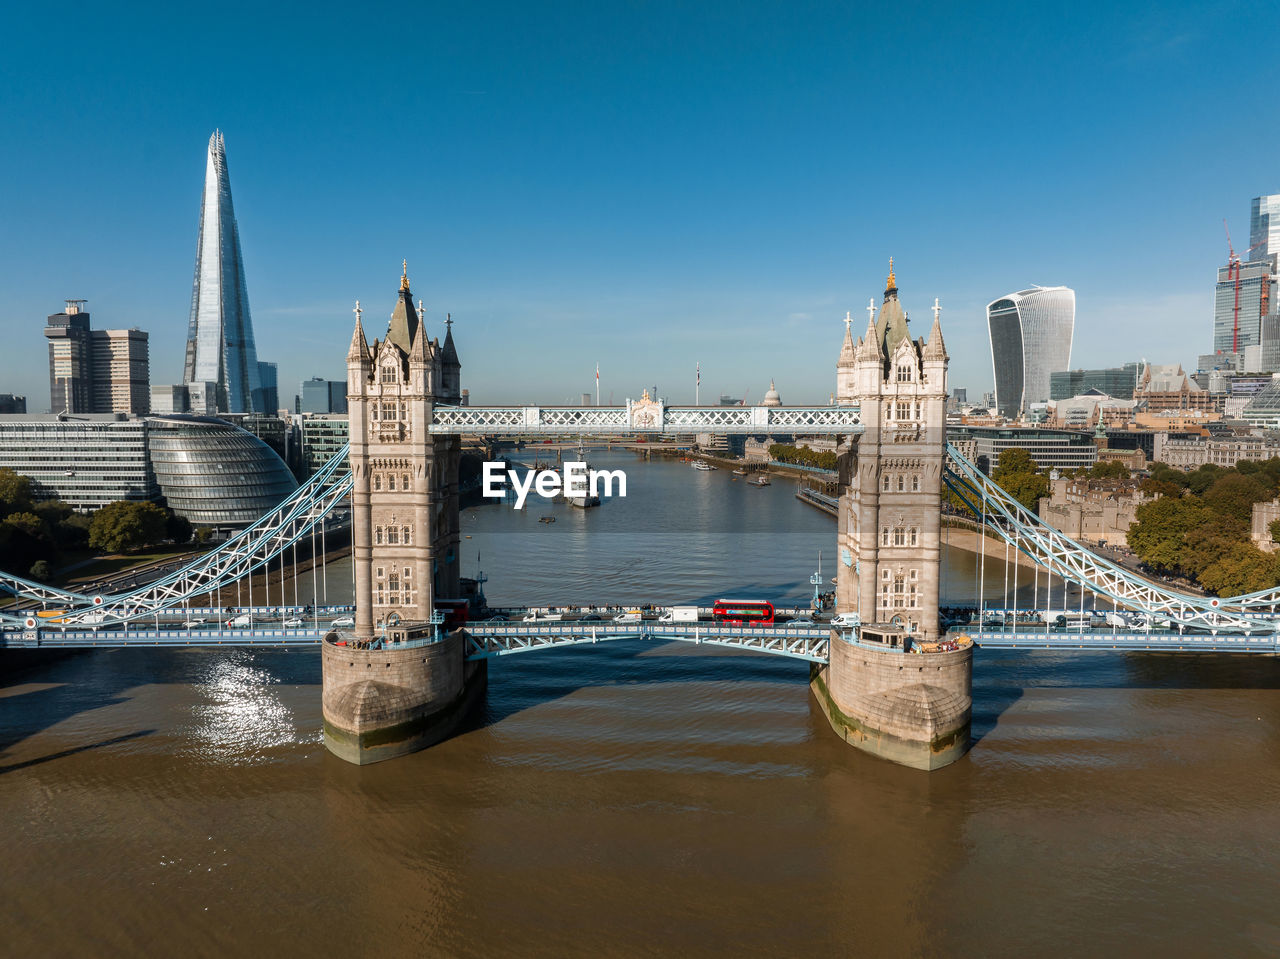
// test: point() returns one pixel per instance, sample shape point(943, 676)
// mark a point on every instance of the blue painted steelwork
point(1122, 641)
point(1064, 557)
point(298, 516)
point(252, 549)
point(504, 639)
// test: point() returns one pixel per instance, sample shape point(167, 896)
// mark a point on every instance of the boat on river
point(704, 466)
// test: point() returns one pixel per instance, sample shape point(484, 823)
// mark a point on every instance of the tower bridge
point(889, 679)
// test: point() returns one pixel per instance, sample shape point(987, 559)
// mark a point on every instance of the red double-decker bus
point(743, 612)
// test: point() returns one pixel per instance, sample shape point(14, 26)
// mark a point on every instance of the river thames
point(639, 799)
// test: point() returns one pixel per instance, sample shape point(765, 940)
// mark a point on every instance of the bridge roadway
point(486, 640)
point(491, 639)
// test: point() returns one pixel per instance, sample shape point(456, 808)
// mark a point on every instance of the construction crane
point(1233, 271)
point(744, 397)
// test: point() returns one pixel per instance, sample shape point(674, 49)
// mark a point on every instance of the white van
point(241, 621)
point(845, 620)
point(680, 614)
point(533, 616)
point(630, 616)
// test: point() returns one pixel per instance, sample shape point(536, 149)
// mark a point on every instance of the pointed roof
point(449, 354)
point(934, 346)
point(891, 324)
point(359, 345)
point(404, 318)
point(869, 345)
point(848, 349)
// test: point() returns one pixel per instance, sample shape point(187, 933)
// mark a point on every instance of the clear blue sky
point(641, 184)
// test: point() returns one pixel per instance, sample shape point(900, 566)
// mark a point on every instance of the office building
point(70, 360)
point(1244, 295)
point(1050, 448)
point(121, 371)
point(95, 371)
point(87, 460)
point(1264, 230)
point(1031, 333)
point(321, 436)
point(169, 399)
point(1117, 382)
point(215, 474)
point(209, 471)
point(220, 344)
point(12, 403)
point(268, 376)
point(323, 396)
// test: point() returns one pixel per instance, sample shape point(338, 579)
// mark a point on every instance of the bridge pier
point(382, 703)
point(910, 708)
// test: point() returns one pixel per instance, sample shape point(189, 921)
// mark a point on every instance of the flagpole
point(597, 384)
point(697, 385)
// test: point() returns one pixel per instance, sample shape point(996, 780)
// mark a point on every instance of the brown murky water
point(640, 799)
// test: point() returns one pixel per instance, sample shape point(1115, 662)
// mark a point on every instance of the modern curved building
point(213, 473)
point(1031, 334)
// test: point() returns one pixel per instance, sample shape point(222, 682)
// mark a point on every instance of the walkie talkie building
point(1030, 338)
point(220, 347)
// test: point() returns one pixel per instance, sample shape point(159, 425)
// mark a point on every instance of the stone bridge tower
point(890, 688)
point(394, 685)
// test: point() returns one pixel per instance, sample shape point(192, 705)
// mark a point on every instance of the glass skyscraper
point(1264, 229)
point(1031, 334)
point(1243, 295)
point(220, 346)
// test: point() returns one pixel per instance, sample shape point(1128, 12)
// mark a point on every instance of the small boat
point(740, 472)
point(544, 519)
point(760, 480)
point(703, 466)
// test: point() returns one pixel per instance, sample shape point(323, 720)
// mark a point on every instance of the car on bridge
point(294, 623)
point(195, 623)
point(846, 620)
point(343, 622)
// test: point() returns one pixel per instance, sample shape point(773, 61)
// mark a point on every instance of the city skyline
point(647, 191)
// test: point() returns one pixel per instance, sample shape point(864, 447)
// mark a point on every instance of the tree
point(1203, 478)
point(123, 525)
point(41, 571)
point(177, 528)
point(29, 523)
point(1159, 487)
point(1234, 495)
point(1158, 534)
point(1109, 470)
point(203, 535)
point(1017, 475)
point(1242, 568)
point(15, 492)
point(1274, 529)
point(1014, 460)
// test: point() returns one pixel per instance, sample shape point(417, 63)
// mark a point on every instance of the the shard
point(220, 348)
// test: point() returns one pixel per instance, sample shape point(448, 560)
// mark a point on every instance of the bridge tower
point(395, 684)
point(889, 688)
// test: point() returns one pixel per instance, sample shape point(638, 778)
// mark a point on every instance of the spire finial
point(871, 310)
point(357, 311)
point(404, 276)
point(892, 284)
point(422, 312)
point(937, 310)
point(448, 320)
point(848, 321)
